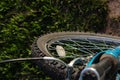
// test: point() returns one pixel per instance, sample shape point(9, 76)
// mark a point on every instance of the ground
point(113, 20)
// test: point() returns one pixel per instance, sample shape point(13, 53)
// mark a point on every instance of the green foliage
point(21, 21)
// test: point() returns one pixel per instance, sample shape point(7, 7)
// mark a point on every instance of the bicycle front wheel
point(68, 46)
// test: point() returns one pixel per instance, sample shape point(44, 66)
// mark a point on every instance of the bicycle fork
point(101, 65)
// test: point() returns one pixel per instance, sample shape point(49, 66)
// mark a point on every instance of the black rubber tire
point(55, 69)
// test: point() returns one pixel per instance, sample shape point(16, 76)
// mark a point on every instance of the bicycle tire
point(55, 69)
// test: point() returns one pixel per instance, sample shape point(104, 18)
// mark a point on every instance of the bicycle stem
point(101, 64)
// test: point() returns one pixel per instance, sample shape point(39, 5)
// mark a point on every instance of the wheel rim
point(80, 47)
point(83, 46)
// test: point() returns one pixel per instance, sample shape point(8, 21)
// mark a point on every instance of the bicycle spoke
point(82, 46)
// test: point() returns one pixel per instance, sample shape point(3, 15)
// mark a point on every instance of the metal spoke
point(82, 46)
point(94, 45)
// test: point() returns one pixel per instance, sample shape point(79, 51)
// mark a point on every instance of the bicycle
point(73, 55)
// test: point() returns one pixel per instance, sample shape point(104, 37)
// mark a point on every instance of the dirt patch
point(113, 20)
point(113, 27)
point(114, 7)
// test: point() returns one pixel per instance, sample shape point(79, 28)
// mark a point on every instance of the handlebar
point(97, 71)
point(105, 67)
